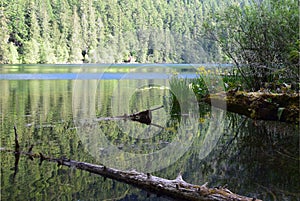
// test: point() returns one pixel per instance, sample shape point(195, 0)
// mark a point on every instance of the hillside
point(63, 31)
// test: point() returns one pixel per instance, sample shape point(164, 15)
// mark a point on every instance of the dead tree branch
point(177, 189)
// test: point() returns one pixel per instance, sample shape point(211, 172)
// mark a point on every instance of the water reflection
point(125, 144)
point(254, 158)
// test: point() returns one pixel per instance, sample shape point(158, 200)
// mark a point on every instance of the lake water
point(62, 110)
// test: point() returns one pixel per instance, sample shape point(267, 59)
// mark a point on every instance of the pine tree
point(60, 46)
point(46, 51)
point(4, 37)
point(15, 11)
point(61, 30)
point(75, 41)
point(110, 30)
point(92, 30)
point(32, 46)
point(13, 54)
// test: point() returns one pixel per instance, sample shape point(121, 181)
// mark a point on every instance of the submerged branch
point(143, 117)
point(17, 146)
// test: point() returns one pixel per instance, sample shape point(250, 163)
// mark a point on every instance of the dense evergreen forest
point(171, 31)
point(66, 31)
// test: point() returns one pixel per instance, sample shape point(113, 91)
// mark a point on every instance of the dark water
point(55, 108)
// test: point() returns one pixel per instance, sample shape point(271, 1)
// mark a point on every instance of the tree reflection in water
point(255, 158)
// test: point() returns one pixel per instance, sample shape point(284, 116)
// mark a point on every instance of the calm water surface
point(57, 109)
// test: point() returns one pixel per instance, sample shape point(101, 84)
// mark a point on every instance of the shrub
point(261, 38)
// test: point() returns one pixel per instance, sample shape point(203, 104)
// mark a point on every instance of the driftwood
point(259, 105)
point(143, 117)
point(177, 189)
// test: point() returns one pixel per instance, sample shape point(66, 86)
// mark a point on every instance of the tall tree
point(15, 11)
point(45, 15)
point(75, 42)
point(60, 47)
point(58, 30)
point(61, 26)
point(32, 45)
point(4, 37)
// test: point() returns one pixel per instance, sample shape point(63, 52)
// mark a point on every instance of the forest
point(252, 144)
point(160, 31)
point(108, 31)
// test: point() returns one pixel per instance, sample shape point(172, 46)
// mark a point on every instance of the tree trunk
point(259, 105)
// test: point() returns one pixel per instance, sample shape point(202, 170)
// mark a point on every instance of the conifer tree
point(92, 29)
point(57, 31)
point(32, 46)
point(15, 10)
point(60, 46)
point(4, 37)
point(75, 42)
point(61, 33)
point(13, 57)
point(46, 51)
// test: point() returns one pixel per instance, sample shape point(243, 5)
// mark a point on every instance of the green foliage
point(75, 39)
point(232, 80)
point(258, 36)
point(150, 31)
point(47, 53)
point(4, 36)
point(200, 87)
point(31, 52)
point(181, 94)
point(13, 57)
point(264, 36)
point(294, 54)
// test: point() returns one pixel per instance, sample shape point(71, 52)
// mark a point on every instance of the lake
point(67, 110)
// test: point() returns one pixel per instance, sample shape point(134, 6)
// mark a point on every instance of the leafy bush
point(261, 38)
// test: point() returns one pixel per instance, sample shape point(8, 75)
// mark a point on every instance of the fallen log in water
point(259, 105)
point(177, 189)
